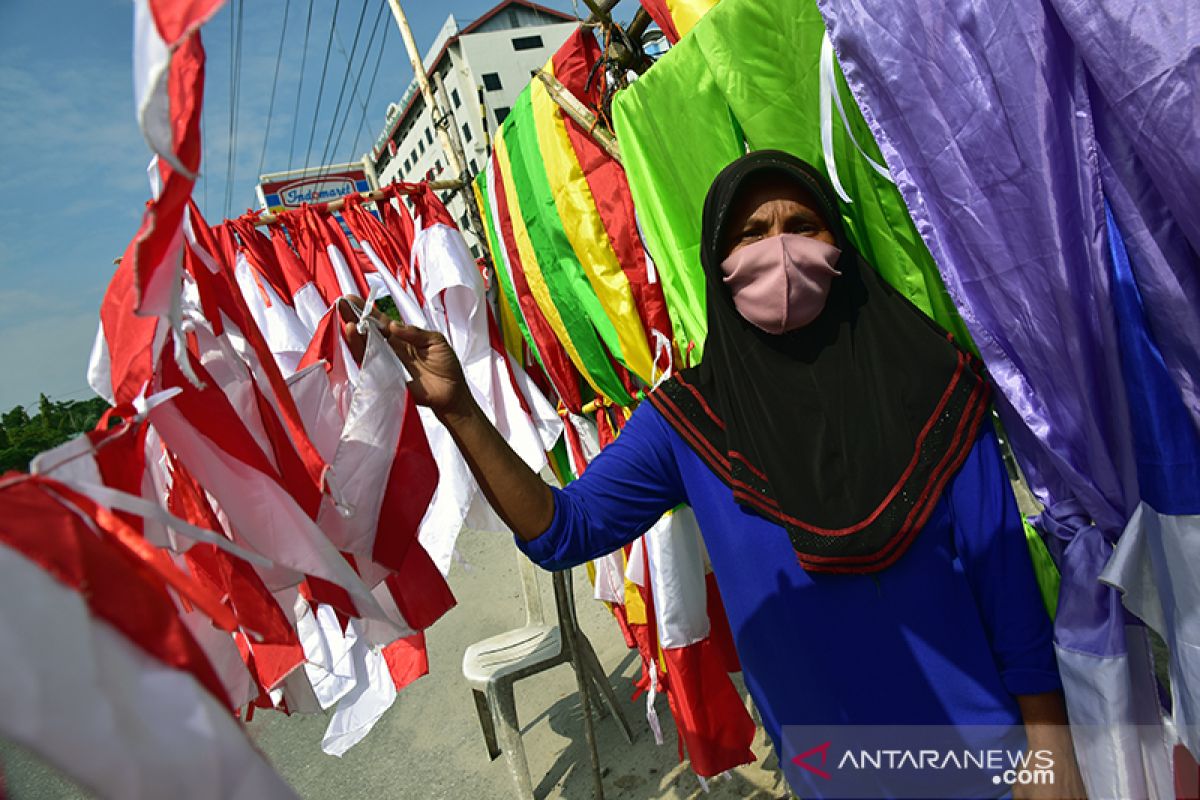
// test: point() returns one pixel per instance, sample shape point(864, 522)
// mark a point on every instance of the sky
point(73, 175)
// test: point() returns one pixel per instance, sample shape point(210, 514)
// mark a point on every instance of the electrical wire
point(274, 83)
point(337, 109)
point(321, 89)
point(337, 144)
point(300, 86)
point(362, 122)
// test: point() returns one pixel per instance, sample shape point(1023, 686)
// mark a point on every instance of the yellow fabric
point(510, 330)
point(585, 230)
point(529, 264)
point(686, 13)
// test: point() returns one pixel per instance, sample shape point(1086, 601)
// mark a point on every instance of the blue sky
point(73, 180)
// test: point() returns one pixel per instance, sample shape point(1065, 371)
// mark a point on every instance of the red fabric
point(1187, 775)
point(307, 235)
point(428, 207)
point(712, 720)
point(295, 274)
point(497, 343)
point(122, 583)
point(276, 646)
point(553, 356)
point(129, 337)
point(660, 12)
point(573, 64)
point(176, 18)
point(261, 256)
point(319, 591)
point(337, 237)
point(218, 290)
point(714, 727)
point(410, 486)
point(407, 659)
point(161, 233)
point(366, 228)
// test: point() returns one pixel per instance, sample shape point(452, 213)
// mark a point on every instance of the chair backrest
point(535, 613)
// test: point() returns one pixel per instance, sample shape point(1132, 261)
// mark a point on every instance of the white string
point(829, 94)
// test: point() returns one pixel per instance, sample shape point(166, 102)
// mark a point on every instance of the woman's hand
point(437, 377)
point(515, 491)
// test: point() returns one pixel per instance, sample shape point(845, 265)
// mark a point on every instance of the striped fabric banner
point(676, 17)
point(575, 278)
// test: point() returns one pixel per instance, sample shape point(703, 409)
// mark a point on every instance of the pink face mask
point(781, 283)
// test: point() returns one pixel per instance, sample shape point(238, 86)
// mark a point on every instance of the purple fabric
point(984, 112)
point(1145, 59)
point(1166, 266)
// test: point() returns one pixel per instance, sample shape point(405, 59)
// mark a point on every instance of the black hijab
point(844, 432)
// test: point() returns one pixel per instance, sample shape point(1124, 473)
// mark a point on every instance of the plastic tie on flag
point(651, 711)
point(829, 94)
point(364, 316)
point(330, 486)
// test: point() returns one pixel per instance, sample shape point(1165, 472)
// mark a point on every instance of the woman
point(834, 446)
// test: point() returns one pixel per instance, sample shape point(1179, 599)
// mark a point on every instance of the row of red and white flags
point(264, 520)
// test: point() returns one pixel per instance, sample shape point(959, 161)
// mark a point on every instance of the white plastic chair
point(494, 665)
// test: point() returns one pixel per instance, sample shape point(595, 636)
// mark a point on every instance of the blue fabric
point(1166, 444)
point(947, 635)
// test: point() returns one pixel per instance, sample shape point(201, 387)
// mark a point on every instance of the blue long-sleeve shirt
point(947, 635)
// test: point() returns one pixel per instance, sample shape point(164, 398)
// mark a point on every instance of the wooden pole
point(440, 117)
point(574, 108)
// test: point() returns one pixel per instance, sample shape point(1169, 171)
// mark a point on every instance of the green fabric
point(1048, 578)
point(748, 76)
point(506, 286)
point(676, 133)
point(590, 329)
point(560, 462)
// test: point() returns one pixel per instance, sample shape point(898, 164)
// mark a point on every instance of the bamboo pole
point(374, 195)
point(439, 115)
point(574, 108)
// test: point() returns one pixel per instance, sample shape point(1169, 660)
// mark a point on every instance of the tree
point(22, 437)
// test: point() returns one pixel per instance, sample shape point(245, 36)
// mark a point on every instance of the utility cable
point(300, 86)
point(274, 83)
point(337, 109)
point(362, 121)
point(337, 143)
point(321, 89)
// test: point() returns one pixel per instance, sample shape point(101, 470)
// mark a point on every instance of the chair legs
point(487, 724)
point(591, 663)
point(500, 698)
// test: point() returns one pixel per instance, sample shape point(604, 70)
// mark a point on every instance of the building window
point(445, 196)
point(429, 135)
point(454, 98)
point(491, 81)
point(406, 166)
point(413, 157)
point(437, 165)
point(462, 223)
point(501, 114)
point(527, 43)
point(475, 251)
point(421, 146)
point(474, 169)
point(466, 132)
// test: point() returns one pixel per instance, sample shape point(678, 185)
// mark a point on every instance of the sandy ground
point(429, 744)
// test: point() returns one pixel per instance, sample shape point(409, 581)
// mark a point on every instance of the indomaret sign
point(287, 190)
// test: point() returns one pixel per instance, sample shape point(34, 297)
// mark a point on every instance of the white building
point(483, 66)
